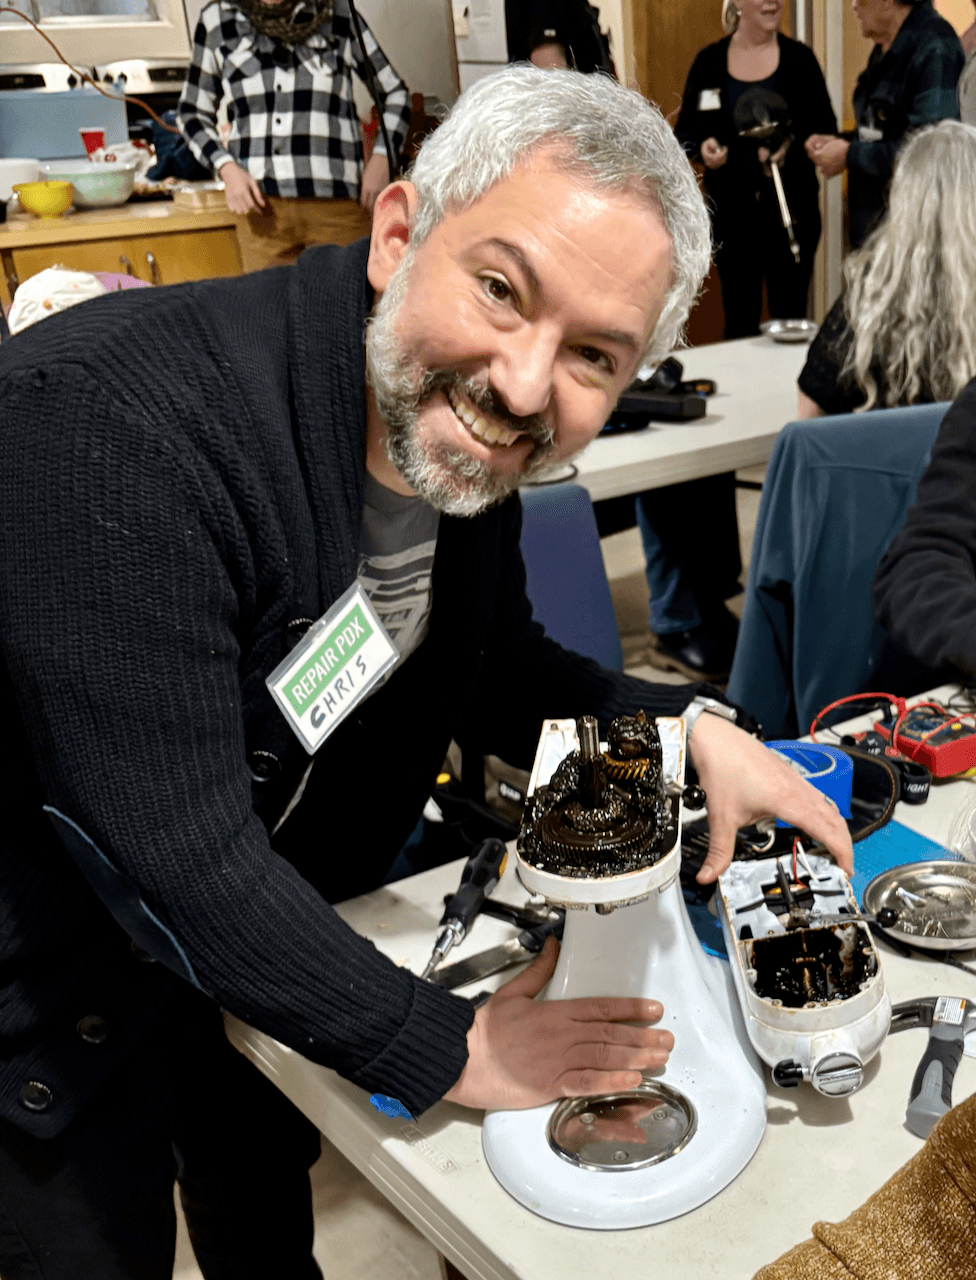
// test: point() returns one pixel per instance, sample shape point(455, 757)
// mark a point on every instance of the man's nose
point(522, 372)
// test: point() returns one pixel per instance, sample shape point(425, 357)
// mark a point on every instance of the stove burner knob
point(787, 1074)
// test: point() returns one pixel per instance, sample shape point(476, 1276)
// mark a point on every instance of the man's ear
point(392, 223)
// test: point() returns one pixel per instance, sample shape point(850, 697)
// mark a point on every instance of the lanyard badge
point(332, 668)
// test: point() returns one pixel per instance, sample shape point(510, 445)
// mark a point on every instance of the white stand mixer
point(655, 1152)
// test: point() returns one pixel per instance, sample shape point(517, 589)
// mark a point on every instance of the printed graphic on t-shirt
point(398, 586)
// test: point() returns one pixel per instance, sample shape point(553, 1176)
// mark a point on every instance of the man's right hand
point(241, 191)
point(713, 155)
point(524, 1052)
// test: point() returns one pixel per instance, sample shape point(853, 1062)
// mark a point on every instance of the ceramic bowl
point(46, 199)
point(97, 186)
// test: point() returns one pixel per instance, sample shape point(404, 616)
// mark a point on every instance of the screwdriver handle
point(481, 873)
point(931, 1093)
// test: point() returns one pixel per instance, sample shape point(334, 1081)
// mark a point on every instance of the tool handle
point(481, 873)
point(534, 939)
point(931, 1092)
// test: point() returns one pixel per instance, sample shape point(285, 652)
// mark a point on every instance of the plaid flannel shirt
point(293, 120)
point(913, 84)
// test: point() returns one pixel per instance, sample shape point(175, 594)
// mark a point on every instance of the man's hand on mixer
point(744, 781)
point(523, 1052)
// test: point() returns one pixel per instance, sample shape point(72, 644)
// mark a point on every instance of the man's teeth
point(493, 434)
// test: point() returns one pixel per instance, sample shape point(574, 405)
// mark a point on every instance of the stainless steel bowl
point(789, 330)
point(935, 902)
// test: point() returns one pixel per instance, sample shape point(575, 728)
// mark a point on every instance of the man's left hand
point(376, 178)
point(745, 781)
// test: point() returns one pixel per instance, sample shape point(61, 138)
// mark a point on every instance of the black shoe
point(697, 653)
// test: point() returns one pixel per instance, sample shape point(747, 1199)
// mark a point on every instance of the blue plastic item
point(565, 578)
point(828, 769)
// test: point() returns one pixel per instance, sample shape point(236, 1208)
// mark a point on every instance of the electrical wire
point(84, 77)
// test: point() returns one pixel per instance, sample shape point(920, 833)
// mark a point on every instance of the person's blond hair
point(911, 288)
point(730, 16)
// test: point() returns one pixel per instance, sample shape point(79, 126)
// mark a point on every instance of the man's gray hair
point(609, 135)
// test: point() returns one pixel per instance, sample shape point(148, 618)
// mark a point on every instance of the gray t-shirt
point(397, 539)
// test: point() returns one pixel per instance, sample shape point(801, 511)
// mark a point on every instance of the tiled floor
point(358, 1234)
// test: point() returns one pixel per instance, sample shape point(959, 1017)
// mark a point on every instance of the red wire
point(898, 703)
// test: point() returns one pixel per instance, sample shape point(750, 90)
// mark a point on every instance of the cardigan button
point(93, 1029)
point(264, 765)
point(36, 1096)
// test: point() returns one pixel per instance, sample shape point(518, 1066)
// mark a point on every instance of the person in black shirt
point(691, 570)
point(751, 245)
point(557, 33)
point(904, 330)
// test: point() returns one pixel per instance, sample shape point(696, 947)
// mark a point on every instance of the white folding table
point(819, 1158)
point(755, 399)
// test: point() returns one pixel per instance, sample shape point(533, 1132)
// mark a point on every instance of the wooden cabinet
point(154, 242)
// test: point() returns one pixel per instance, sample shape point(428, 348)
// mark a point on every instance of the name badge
point(332, 668)
point(867, 133)
point(709, 100)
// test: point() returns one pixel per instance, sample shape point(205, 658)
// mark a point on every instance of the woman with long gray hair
point(904, 329)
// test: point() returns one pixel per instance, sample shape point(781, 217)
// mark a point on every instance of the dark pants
point(756, 249)
point(690, 531)
point(96, 1202)
point(691, 547)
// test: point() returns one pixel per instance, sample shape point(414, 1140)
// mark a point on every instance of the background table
point(756, 397)
point(819, 1158)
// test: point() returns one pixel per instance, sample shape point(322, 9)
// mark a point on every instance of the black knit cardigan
point(181, 473)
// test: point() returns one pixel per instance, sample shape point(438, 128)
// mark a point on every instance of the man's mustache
point(486, 401)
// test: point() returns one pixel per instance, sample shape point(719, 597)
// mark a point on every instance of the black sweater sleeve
point(125, 578)
point(925, 586)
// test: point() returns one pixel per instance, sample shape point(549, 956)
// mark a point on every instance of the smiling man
point(166, 555)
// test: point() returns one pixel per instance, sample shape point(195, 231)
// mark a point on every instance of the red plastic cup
point(92, 139)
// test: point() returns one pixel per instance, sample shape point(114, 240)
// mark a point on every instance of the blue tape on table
point(828, 769)
point(892, 846)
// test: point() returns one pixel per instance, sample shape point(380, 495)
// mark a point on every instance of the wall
point(960, 13)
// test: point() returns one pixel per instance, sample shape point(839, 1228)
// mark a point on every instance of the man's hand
point(777, 157)
point(241, 191)
point(743, 781)
point(376, 178)
point(713, 156)
point(523, 1052)
point(828, 154)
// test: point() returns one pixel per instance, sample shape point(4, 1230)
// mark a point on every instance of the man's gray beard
point(452, 482)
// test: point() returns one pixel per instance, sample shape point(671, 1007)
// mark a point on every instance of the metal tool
point(771, 126)
point(948, 1018)
point(517, 950)
point(481, 873)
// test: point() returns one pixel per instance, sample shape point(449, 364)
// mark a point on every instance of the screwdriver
point(481, 872)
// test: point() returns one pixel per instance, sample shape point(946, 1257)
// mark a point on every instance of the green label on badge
point(324, 663)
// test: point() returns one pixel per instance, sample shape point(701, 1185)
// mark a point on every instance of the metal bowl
point(935, 902)
point(789, 330)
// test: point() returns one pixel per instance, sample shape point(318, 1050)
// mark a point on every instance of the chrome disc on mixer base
point(627, 1130)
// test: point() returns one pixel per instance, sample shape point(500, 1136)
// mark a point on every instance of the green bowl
point(97, 186)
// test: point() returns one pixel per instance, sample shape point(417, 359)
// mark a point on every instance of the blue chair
point(836, 493)
point(565, 578)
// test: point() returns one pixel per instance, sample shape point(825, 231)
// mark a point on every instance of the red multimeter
point(940, 740)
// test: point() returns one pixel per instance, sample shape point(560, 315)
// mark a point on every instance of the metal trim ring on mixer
point(599, 1133)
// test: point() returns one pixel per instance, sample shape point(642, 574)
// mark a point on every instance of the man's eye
point(593, 355)
point(497, 289)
